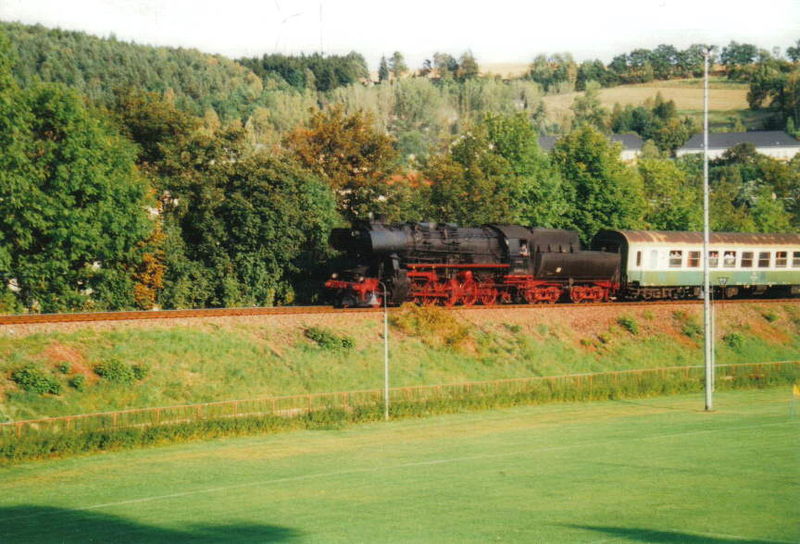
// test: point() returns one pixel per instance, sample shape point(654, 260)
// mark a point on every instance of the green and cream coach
point(661, 264)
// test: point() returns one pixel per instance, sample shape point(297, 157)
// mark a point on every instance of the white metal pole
point(708, 332)
point(385, 356)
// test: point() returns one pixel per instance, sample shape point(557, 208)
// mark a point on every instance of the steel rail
point(27, 319)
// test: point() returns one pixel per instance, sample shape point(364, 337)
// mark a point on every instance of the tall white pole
point(708, 332)
point(385, 356)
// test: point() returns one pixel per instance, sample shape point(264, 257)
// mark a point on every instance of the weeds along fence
point(278, 412)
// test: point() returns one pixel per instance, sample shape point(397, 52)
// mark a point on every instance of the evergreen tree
point(383, 70)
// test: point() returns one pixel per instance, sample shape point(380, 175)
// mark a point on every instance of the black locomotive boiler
point(444, 264)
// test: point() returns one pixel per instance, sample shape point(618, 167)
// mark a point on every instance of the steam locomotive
point(442, 264)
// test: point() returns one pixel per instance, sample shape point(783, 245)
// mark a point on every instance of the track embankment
point(25, 319)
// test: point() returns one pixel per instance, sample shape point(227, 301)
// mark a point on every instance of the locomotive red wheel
point(469, 293)
point(552, 295)
point(488, 296)
point(530, 296)
point(450, 293)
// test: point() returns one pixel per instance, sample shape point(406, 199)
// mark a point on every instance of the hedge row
point(440, 401)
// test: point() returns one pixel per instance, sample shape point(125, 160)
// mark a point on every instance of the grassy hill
point(245, 357)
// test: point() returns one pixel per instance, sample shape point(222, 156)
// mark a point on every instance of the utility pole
point(708, 331)
point(385, 354)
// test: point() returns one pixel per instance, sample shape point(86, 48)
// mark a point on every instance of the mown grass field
point(656, 470)
point(241, 358)
point(727, 100)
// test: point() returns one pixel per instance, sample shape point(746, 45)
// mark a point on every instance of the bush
point(64, 368)
point(33, 380)
point(78, 382)
point(770, 316)
point(327, 339)
point(629, 324)
point(734, 340)
point(434, 326)
point(141, 371)
point(115, 371)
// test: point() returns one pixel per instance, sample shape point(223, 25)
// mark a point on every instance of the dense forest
point(141, 177)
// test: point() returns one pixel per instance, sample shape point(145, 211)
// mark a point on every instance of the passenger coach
point(659, 264)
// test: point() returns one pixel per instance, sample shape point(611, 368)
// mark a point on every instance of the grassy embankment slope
point(239, 358)
point(727, 100)
point(653, 470)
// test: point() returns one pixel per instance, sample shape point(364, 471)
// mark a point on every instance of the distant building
point(631, 144)
point(773, 143)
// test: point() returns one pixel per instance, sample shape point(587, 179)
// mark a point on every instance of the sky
point(495, 31)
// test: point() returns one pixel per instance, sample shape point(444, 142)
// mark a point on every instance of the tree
point(588, 110)
point(397, 65)
point(73, 216)
point(607, 193)
point(672, 202)
point(467, 67)
point(542, 198)
point(246, 223)
point(793, 52)
point(470, 185)
point(736, 57)
point(776, 84)
point(445, 64)
point(594, 70)
point(383, 70)
point(557, 72)
point(349, 154)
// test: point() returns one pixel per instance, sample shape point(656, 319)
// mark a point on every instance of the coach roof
point(679, 237)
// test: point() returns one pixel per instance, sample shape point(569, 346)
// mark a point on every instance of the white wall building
point(773, 143)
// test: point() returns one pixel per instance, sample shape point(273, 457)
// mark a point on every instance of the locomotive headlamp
point(334, 275)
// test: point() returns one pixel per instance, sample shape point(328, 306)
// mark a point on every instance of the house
point(773, 143)
point(631, 144)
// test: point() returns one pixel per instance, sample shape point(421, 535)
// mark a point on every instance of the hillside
point(213, 359)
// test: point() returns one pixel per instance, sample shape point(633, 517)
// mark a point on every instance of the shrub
point(734, 340)
point(141, 371)
point(629, 324)
point(64, 368)
point(78, 382)
point(33, 380)
point(513, 328)
point(327, 339)
point(434, 326)
point(770, 316)
point(115, 371)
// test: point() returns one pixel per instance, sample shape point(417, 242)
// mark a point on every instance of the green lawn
point(656, 470)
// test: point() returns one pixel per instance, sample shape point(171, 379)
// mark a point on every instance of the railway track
point(25, 319)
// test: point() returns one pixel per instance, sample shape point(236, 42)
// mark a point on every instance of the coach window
point(780, 259)
point(694, 259)
point(747, 259)
point(796, 259)
point(638, 259)
point(763, 259)
point(675, 258)
point(713, 259)
point(729, 259)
